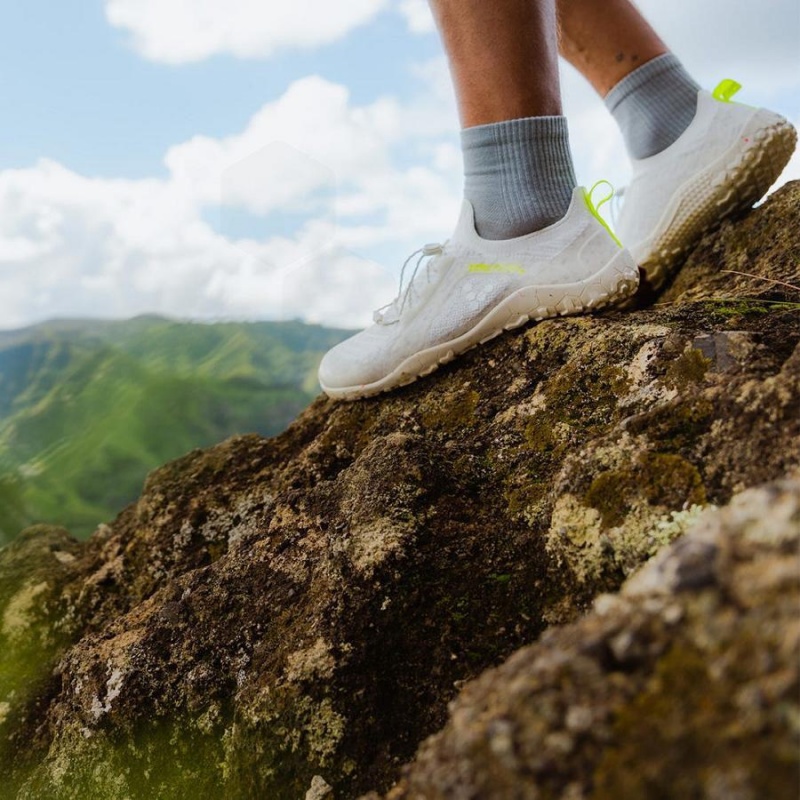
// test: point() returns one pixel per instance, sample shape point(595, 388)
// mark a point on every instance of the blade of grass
point(761, 278)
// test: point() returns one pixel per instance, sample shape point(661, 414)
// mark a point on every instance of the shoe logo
point(514, 269)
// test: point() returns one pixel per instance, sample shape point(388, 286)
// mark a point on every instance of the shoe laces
point(594, 208)
point(392, 311)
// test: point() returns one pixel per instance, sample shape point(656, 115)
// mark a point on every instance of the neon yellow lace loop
point(595, 208)
point(725, 90)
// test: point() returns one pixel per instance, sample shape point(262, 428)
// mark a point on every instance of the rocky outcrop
point(273, 615)
point(685, 684)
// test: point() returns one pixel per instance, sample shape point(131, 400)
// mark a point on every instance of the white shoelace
point(392, 311)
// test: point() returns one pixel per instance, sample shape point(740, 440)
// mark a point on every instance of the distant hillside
point(88, 407)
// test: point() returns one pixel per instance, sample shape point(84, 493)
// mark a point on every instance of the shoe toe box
point(354, 363)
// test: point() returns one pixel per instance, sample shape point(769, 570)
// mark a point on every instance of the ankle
point(653, 105)
point(518, 175)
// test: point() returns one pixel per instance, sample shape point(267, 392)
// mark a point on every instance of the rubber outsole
point(732, 184)
point(617, 281)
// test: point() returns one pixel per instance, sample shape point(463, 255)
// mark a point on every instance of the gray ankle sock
point(518, 175)
point(653, 105)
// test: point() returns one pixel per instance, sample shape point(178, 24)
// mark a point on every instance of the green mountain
point(88, 408)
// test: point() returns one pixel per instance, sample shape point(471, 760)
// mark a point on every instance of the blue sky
point(225, 159)
point(82, 95)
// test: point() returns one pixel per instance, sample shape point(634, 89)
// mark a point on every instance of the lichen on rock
point(685, 684)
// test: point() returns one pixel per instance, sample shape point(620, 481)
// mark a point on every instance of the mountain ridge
point(71, 392)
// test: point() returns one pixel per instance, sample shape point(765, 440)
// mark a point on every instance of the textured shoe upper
point(659, 180)
point(463, 280)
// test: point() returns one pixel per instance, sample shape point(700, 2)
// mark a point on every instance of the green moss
point(281, 740)
point(549, 338)
point(672, 481)
point(580, 401)
point(617, 379)
point(610, 495)
point(690, 367)
point(683, 725)
point(166, 758)
point(539, 434)
point(661, 479)
point(733, 309)
point(452, 413)
point(520, 499)
point(588, 396)
point(678, 425)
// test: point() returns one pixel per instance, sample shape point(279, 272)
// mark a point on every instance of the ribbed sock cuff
point(518, 174)
point(653, 105)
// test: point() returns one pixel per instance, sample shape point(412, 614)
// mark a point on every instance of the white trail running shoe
point(472, 289)
point(725, 161)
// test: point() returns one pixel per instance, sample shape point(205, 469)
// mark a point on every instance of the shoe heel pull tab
point(725, 90)
point(595, 209)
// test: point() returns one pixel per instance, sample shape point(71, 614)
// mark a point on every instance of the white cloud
point(181, 31)
point(280, 162)
point(72, 245)
point(118, 248)
point(418, 15)
point(313, 116)
point(753, 42)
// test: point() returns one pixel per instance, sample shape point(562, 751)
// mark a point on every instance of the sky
point(255, 159)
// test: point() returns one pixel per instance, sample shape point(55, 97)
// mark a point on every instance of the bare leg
point(518, 173)
point(503, 57)
point(605, 41)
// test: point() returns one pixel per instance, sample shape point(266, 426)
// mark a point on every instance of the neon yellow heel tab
point(726, 89)
point(595, 209)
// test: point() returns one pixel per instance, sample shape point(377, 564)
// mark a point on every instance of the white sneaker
point(723, 162)
point(472, 289)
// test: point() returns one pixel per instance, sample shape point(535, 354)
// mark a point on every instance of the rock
point(34, 627)
point(746, 260)
point(319, 789)
point(686, 684)
point(272, 610)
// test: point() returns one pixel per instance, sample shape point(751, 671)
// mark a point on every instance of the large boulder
point(273, 614)
point(685, 684)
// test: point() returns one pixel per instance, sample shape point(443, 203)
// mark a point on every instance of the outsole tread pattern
point(707, 204)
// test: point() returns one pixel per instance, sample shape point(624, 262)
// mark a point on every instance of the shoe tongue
point(465, 228)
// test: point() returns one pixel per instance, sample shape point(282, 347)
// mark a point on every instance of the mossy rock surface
point(271, 610)
point(686, 684)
